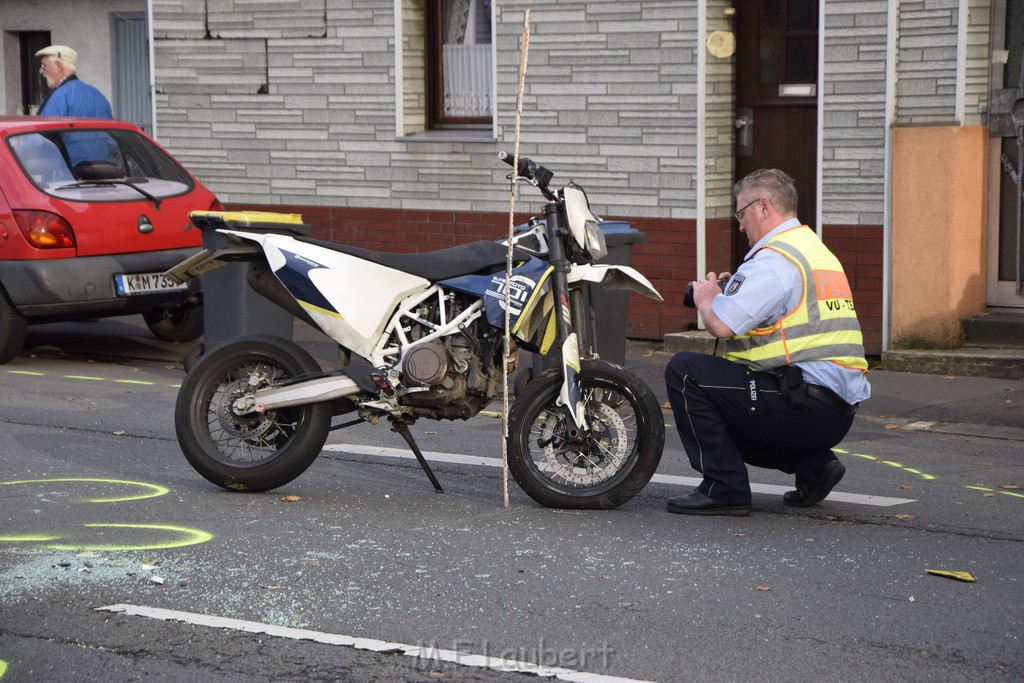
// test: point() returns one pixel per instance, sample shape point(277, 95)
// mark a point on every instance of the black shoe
point(698, 504)
point(812, 492)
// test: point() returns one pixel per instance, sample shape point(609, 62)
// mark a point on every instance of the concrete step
point(969, 361)
point(698, 341)
point(995, 330)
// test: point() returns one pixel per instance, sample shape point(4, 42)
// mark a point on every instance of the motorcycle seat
point(437, 265)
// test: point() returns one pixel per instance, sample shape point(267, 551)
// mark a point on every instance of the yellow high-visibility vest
point(823, 326)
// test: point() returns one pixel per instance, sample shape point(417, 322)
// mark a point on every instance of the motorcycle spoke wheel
point(248, 451)
point(604, 466)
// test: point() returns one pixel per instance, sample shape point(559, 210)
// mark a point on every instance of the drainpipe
point(961, 62)
point(152, 69)
point(819, 182)
point(702, 28)
point(892, 35)
point(400, 71)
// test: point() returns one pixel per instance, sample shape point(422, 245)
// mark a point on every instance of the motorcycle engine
point(432, 375)
point(425, 365)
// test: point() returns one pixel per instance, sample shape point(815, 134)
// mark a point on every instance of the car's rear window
point(95, 165)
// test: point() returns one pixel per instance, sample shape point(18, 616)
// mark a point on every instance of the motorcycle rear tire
point(254, 452)
point(619, 456)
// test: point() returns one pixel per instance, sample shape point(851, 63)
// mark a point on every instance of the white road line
point(455, 458)
point(427, 653)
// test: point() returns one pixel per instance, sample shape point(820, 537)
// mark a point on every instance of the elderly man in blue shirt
point(70, 96)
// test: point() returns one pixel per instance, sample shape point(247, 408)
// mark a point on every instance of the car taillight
point(45, 230)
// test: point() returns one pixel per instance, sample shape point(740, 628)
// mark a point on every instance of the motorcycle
point(422, 336)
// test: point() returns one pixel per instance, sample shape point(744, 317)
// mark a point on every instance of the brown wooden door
point(776, 94)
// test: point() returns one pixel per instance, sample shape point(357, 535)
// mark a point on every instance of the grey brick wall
point(609, 101)
point(927, 62)
point(295, 102)
point(853, 97)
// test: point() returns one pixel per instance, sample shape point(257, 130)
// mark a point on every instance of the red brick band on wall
point(667, 259)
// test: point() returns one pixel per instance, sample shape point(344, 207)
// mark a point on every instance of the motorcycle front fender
point(614, 277)
point(569, 396)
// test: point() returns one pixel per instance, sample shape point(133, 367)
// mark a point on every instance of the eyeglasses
point(739, 214)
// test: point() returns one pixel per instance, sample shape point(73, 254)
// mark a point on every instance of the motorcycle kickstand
point(402, 428)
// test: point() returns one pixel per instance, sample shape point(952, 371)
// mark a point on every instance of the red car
point(92, 212)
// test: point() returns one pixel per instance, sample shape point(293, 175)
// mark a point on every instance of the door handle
point(744, 124)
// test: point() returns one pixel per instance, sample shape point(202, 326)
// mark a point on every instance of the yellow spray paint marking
point(890, 463)
point(29, 538)
point(3, 668)
point(988, 489)
point(170, 536)
point(91, 378)
point(153, 490)
point(922, 475)
point(183, 536)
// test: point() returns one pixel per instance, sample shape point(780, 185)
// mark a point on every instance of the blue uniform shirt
point(766, 287)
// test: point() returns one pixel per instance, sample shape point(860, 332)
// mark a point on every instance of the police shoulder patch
point(734, 285)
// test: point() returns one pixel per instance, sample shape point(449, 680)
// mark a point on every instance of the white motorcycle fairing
point(322, 282)
point(614, 277)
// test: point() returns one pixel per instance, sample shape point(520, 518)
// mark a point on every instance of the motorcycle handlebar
point(527, 167)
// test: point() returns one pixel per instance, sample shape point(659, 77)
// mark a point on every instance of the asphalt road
point(119, 562)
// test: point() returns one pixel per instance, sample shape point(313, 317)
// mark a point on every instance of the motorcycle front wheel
point(251, 451)
point(607, 465)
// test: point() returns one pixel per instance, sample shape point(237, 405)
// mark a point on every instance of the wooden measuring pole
point(524, 50)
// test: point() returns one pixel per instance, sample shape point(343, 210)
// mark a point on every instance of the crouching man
point(793, 370)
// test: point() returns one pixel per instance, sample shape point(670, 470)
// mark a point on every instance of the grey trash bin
point(230, 307)
point(607, 310)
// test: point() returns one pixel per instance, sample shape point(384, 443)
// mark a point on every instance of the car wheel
point(12, 331)
point(191, 357)
point(178, 324)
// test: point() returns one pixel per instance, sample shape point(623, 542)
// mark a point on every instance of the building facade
point(380, 121)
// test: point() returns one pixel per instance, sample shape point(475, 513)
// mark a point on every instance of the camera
point(688, 294)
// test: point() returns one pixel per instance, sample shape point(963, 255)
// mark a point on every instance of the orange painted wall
point(939, 231)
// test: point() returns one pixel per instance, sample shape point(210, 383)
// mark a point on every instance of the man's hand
point(704, 292)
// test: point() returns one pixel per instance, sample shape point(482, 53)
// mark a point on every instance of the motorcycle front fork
point(569, 317)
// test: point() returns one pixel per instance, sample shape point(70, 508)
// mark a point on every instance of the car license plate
point(145, 283)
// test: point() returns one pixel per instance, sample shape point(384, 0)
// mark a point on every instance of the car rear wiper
point(110, 182)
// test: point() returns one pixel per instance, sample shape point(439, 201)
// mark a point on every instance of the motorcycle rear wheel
point(614, 461)
point(251, 452)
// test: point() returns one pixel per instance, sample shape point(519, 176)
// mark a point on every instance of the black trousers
point(729, 416)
